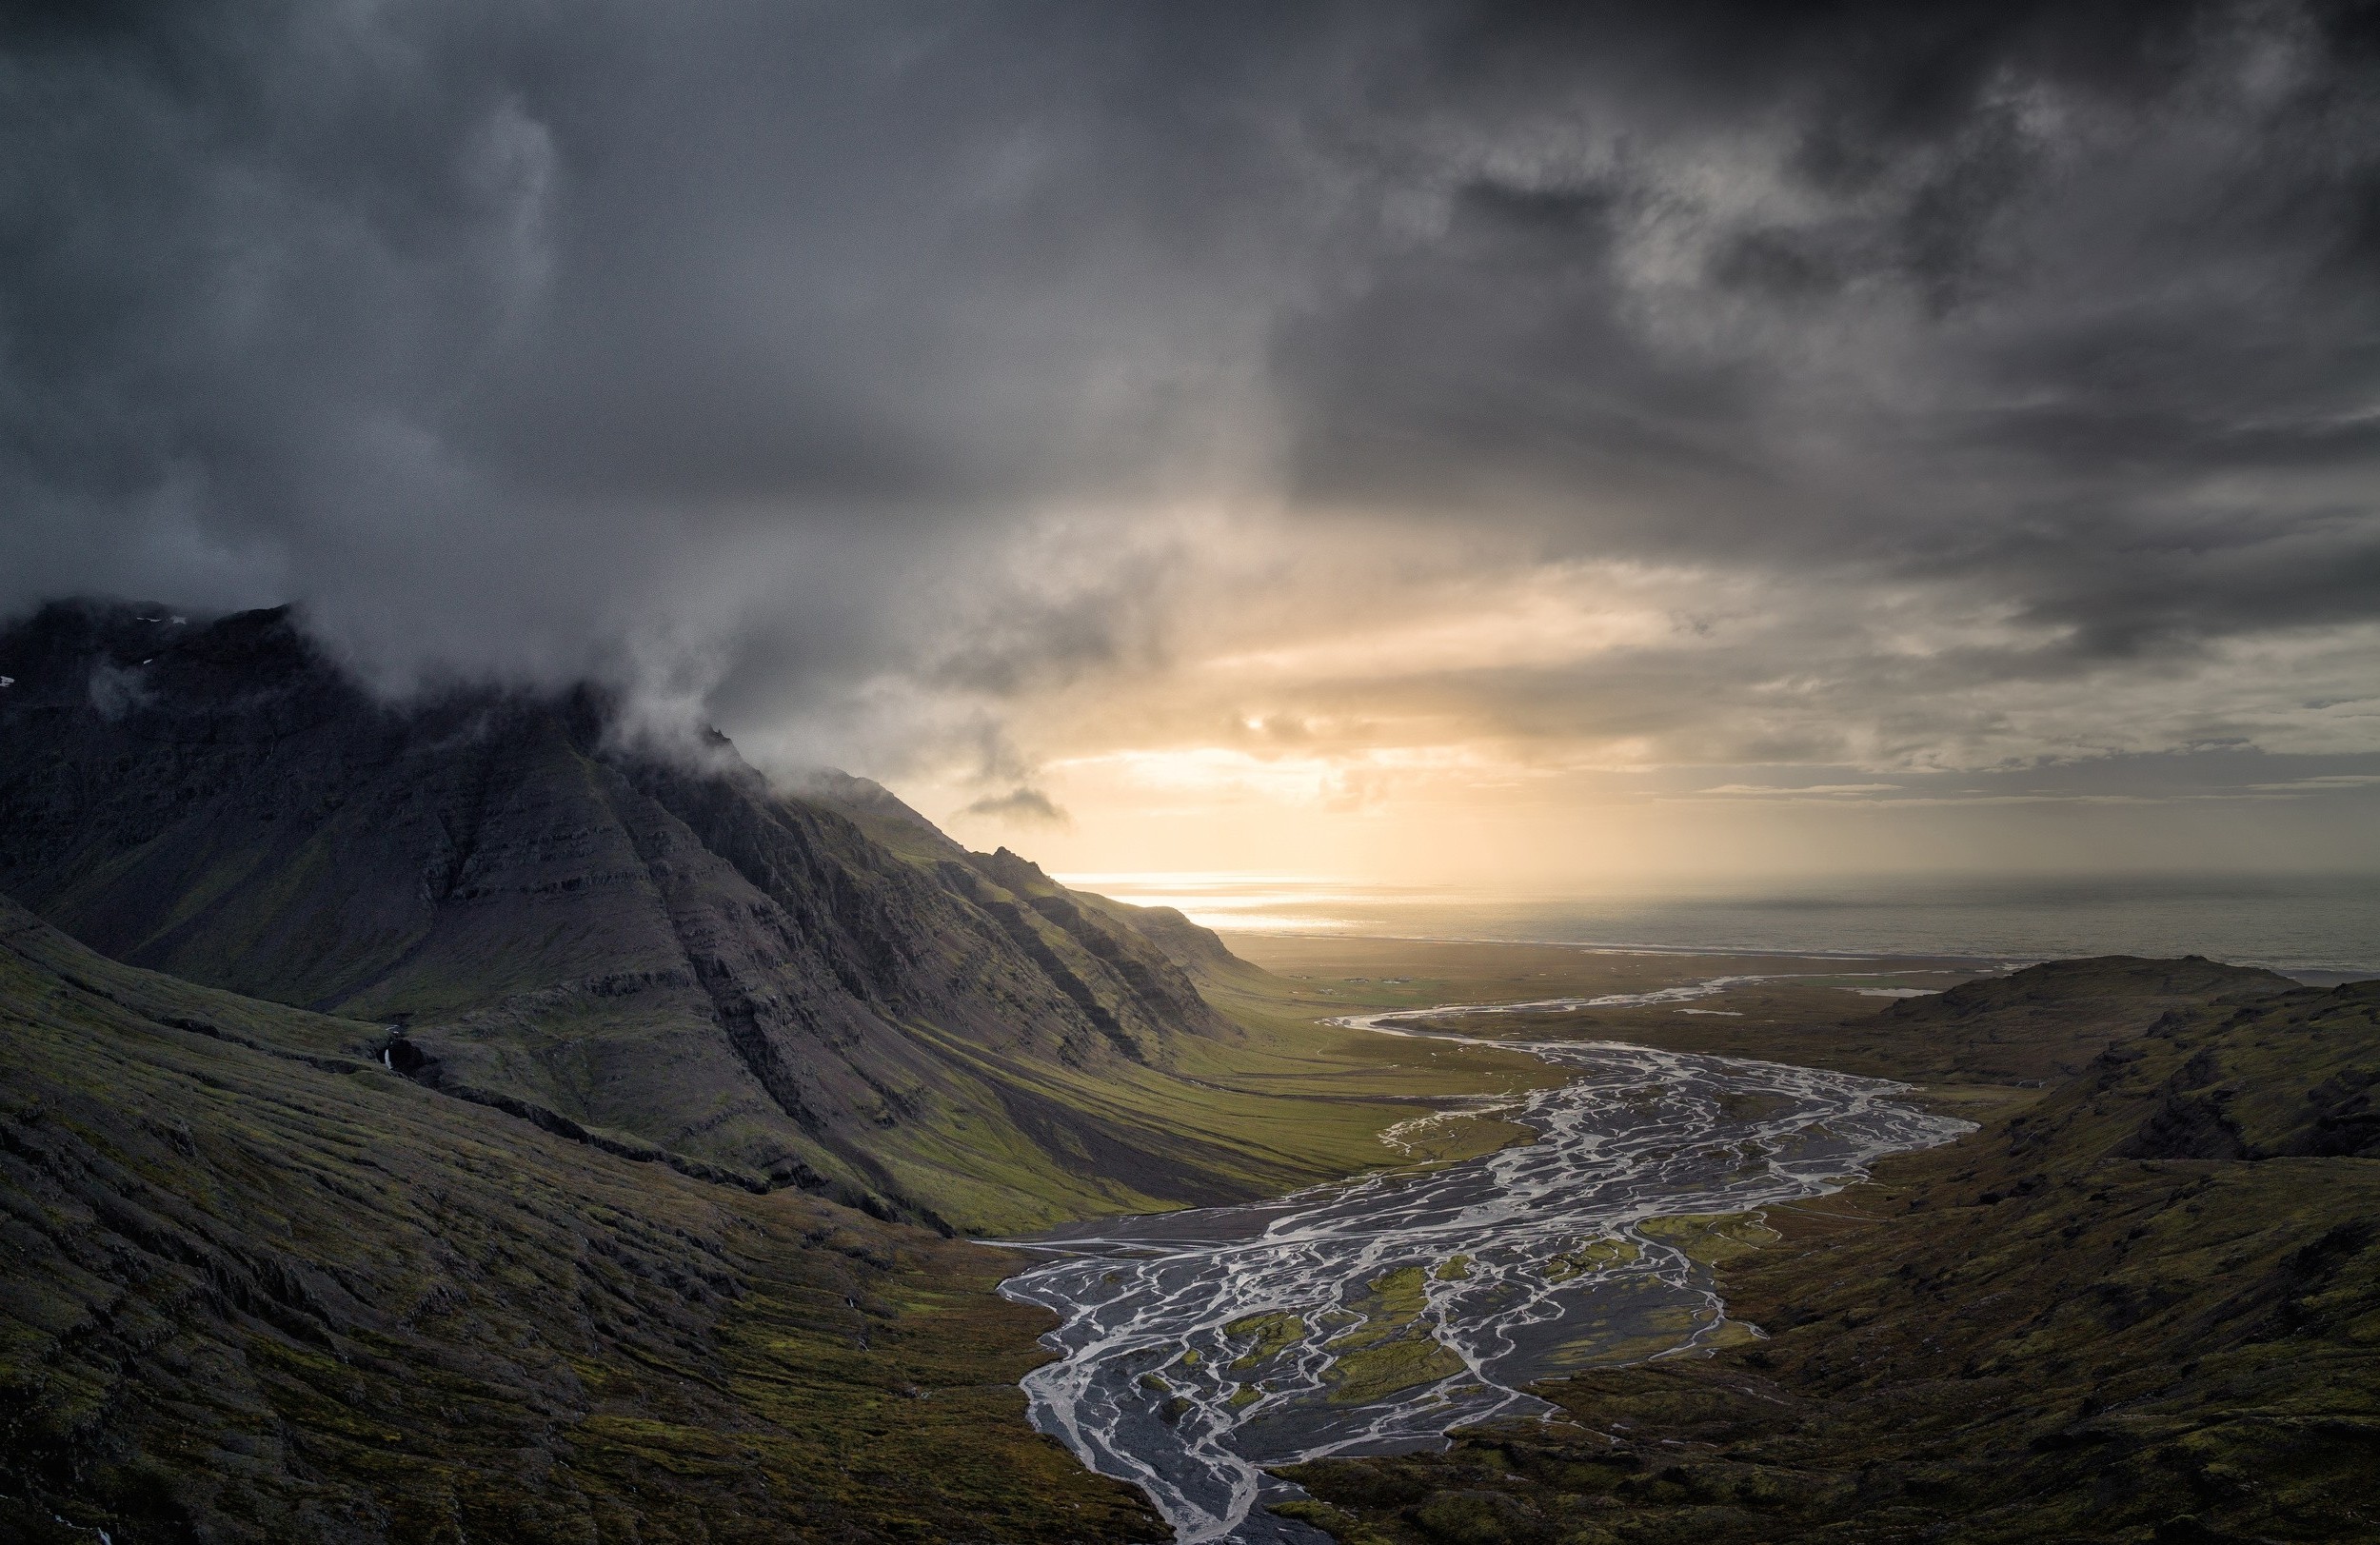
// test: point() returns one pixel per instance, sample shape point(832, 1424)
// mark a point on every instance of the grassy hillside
point(259, 1289)
point(2146, 1307)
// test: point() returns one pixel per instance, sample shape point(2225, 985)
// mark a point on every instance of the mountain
point(2144, 1307)
point(258, 1289)
point(522, 903)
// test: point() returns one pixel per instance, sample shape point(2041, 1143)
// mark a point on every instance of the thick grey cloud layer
point(880, 365)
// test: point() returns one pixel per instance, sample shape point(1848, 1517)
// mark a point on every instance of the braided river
point(1371, 1316)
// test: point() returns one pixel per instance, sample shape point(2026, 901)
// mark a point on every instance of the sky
point(1529, 446)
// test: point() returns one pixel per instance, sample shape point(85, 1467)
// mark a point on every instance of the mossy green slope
point(2146, 1309)
point(258, 1290)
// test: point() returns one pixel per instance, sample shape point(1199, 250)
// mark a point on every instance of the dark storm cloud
point(749, 351)
point(2082, 258)
point(495, 310)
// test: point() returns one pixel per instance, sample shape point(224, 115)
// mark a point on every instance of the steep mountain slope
point(253, 1289)
point(2145, 1308)
point(649, 945)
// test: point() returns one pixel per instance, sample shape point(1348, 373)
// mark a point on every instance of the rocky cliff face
point(653, 946)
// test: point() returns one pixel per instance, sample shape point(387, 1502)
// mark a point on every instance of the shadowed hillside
point(652, 948)
point(2147, 1308)
point(259, 1290)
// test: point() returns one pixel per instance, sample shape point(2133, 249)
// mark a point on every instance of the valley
point(1030, 772)
point(1370, 1318)
point(460, 1123)
point(470, 1118)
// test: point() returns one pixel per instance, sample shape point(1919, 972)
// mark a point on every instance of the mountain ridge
point(808, 987)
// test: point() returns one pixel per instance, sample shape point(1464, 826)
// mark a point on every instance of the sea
point(2320, 928)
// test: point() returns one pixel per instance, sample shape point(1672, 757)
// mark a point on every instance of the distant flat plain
point(1805, 1009)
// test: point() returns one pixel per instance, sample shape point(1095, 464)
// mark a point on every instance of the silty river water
point(1371, 1316)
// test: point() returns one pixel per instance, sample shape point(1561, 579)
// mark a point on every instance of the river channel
point(1371, 1316)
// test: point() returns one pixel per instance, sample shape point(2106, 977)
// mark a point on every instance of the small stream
point(1371, 1316)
